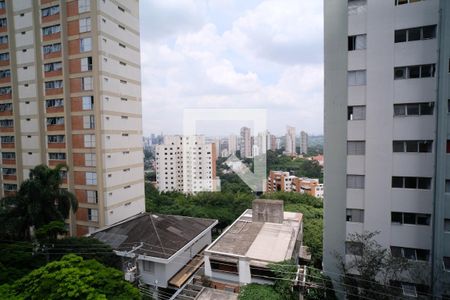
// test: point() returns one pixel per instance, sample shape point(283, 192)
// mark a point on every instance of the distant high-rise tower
point(290, 146)
point(70, 94)
point(303, 143)
point(232, 144)
point(387, 166)
point(246, 142)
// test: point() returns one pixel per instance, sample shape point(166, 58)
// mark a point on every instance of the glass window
point(88, 102)
point(400, 73)
point(411, 146)
point(397, 182)
point(398, 146)
point(90, 159)
point(91, 178)
point(357, 77)
point(92, 214)
point(423, 219)
point(410, 182)
point(424, 183)
point(355, 181)
point(447, 225)
point(85, 44)
point(426, 108)
point(414, 34)
point(425, 146)
point(91, 197)
point(427, 71)
point(446, 262)
point(409, 218)
point(399, 110)
point(400, 36)
point(409, 253)
point(86, 83)
point(89, 140)
point(414, 72)
point(86, 64)
point(429, 32)
point(356, 147)
point(84, 6)
point(149, 266)
point(85, 25)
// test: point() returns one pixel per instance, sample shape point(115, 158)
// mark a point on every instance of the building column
point(208, 271)
point(245, 276)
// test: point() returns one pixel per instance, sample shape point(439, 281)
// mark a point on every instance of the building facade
point(290, 142)
point(386, 133)
point(70, 94)
point(246, 143)
point(303, 143)
point(284, 182)
point(186, 164)
point(232, 144)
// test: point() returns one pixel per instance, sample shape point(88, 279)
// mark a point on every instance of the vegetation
point(376, 267)
point(39, 201)
point(72, 277)
point(256, 291)
point(299, 167)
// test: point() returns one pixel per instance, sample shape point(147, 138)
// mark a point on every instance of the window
point(84, 6)
point(121, 8)
point(447, 186)
point(4, 39)
point(355, 181)
point(88, 102)
point(355, 215)
point(89, 140)
point(56, 66)
point(7, 139)
point(411, 253)
point(10, 187)
point(357, 42)
point(4, 56)
point(3, 22)
point(56, 139)
point(50, 11)
point(356, 113)
point(52, 48)
point(91, 178)
point(55, 84)
point(93, 215)
point(54, 103)
point(446, 263)
point(6, 123)
point(85, 44)
point(89, 122)
point(92, 197)
point(51, 30)
point(149, 266)
point(122, 45)
point(55, 121)
point(2, 4)
point(89, 159)
point(8, 171)
point(56, 156)
point(410, 218)
point(409, 290)
point(8, 155)
point(86, 83)
point(401, 2)
point(86, 64)
point(5, 73)
point(420, 71)
point(447, 225)
point(356, 6)
point(356, 147)
point(353, 248)
point(423, 183)
point(413, 146)
point(356, 77)
point(85, 25)
point(121, 27)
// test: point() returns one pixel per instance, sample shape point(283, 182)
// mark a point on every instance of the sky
point(253, 54)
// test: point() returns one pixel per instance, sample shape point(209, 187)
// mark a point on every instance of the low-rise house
point(262, 235)
point(159, 250)
point(284, 182)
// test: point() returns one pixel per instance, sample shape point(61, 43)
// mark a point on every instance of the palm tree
point(39, 201)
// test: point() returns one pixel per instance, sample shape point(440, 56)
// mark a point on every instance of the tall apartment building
point(232, 144)
point(246, 142)
point(70, 93)
point(303, 142)
point(186, 164)
point(290, 140)
point(387, 106)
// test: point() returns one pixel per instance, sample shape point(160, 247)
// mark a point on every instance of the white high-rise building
point(303, 143)
point(387, 134)
point(186, 164)
point(232, 144)
point(290, 140)
point(246, 142)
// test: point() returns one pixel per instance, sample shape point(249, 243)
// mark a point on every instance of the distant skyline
point(232, 54)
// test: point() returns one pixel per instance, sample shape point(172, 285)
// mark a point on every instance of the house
point(160, 250)
point(262, 235)
point(285, 182)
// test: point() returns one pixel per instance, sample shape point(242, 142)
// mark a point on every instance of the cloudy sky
point(232, 54)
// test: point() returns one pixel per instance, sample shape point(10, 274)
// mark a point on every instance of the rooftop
point(161, 235)
point(261, 241)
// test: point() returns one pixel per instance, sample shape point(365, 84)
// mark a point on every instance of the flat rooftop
point(161, 235)
point(262, 241)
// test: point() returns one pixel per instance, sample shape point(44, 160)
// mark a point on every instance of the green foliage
point(224, 206)
point(51, 231)
point(39, 201)
point(258, 292)
point(322, 289)
point(72, 278)
point(285, 273)
point(297, 166)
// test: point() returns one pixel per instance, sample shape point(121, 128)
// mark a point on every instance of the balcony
point(55, 127)
point(53, 36)
point(53, 73)
point(6, 161)
point(52, 55)
point(55, 162)
point(9, 177)
point(8, 145)
point(6, 96)
point(50, 18)
point(55, 91)
point(56, 145)
point(55, 109)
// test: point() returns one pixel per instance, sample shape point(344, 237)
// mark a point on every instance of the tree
point(285, 273)
point(256, 291)
point(370, 269)
point(39, 201)
point(72, 277)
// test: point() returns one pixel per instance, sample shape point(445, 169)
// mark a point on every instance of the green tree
point(39, 201)
point(285, 273)
point(255, 291)
point(72, 277)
